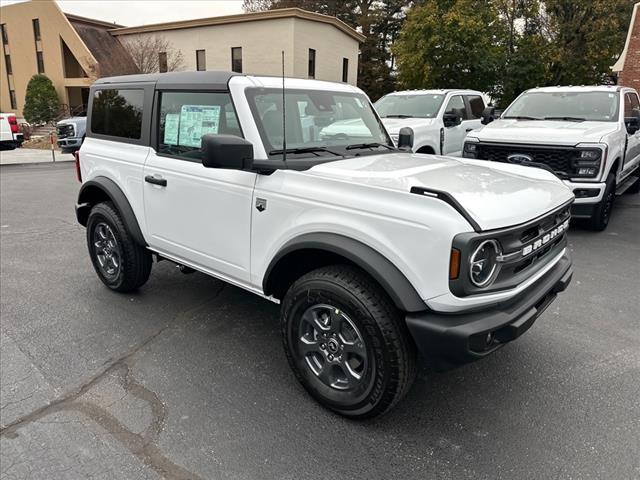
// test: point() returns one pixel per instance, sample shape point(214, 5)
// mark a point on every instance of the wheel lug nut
point(330, 357)
point(323, 346)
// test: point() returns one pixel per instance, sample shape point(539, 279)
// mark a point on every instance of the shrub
point(41, 103)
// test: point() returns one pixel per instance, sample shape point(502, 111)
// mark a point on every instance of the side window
point(630, 103)
point(118, 113)
point(477, 106)
point(456, 105)
point(186, 116)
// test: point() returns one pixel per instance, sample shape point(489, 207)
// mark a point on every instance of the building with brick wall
point(627, 67)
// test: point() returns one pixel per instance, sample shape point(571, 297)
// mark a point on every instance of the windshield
point(406, 106)
point(316, 121)
point(595, 106)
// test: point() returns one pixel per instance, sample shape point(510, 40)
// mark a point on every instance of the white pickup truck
point(10, 135)
point(438, 119)
point(373, 252)
point(588, 136)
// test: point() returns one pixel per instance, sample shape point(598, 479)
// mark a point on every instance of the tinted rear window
point(118, 113)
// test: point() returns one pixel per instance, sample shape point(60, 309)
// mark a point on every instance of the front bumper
point(70, 143)
point(449, 340)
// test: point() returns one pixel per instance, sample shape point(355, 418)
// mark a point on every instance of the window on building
point(186, 116)
point(163, 65)
point(40, 61)
point(312, 63)
point(12, 97)
point(7, 62)
point(5, 38)
point(201, 62)
point(36, 29)
point(236, 59)
point(345, 70)
point(477, 105)
point(117, 113)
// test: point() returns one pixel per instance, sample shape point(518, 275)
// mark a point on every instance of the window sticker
point(171, 126)
point(196, 121)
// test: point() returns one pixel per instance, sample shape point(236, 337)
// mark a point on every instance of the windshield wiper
point(522, 117)
point(305, 150)
point(397, 116)
point(368, 145)
point(568, 119)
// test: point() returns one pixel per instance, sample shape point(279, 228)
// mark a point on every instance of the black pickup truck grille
point(559, 159)
point(64, 131)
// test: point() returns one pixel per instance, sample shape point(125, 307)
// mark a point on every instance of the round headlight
point(483, 264)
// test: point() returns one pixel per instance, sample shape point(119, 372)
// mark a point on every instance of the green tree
point(451, 44)
point(41, 102)
point(585, 38)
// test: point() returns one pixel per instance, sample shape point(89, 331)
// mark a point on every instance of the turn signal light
point(454, 264)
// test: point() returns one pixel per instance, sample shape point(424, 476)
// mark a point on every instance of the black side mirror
point(633, 122)
point(405, 138)
point(451, 119)
point(488, 115)
point(226, 151)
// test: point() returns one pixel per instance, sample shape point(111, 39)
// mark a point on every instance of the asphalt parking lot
point(187, 379)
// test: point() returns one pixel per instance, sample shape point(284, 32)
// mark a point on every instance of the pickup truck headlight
point(483, 263)
point(587, 164)
point(470, 149)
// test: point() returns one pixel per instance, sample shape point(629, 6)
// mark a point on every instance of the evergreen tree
point(41, 102)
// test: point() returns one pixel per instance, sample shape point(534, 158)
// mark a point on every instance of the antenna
point(284, 118)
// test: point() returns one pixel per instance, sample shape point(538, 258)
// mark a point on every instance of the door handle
point(156, 180)
point(468, 130)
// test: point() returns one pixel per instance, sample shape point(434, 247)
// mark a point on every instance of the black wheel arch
point(313, 250)
point(103, 189)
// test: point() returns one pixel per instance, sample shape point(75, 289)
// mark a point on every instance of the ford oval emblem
point(519, 158)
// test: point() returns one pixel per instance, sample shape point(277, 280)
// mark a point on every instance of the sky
point(141, 12)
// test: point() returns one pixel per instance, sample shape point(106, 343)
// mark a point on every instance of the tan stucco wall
point(53, 25)
point(262, 43)
point(331, 46)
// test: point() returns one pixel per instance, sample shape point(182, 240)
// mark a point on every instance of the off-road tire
point(135, 261)
point(602, 211)
point(391, 351)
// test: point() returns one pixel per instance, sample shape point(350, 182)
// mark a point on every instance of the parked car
point(587, 136)
point(10, 135)
point(439, 119)
point(371, 251)
point(71, 133)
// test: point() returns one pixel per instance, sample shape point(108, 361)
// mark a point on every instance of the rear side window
point(186, 116)
point(477, 106)
point(456, 105)
point(118, 113)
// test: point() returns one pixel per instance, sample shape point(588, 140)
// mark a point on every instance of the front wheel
point(602, 212)
point(346, 342)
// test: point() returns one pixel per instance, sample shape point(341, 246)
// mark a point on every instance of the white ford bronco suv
point(373, 253)
point(439, 119)
point(588, 136)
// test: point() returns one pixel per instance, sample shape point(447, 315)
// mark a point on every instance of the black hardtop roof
point(209, 79)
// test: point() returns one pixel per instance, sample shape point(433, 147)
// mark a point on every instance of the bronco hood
point(556, 132)
point(495, 195)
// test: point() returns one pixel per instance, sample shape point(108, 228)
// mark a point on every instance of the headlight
point(483, 264)
point(588, 163)
point(470, 147)
point(589, 154)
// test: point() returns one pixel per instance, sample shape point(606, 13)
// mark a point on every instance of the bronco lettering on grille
point(546, 238)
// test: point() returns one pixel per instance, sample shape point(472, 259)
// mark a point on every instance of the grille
point(560, 160)
point(64, 131)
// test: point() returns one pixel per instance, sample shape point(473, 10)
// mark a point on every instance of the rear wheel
point(346, 342)
point(602, 212)
point(119, 261)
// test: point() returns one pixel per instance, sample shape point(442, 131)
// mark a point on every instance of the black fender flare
point(403, 294)
point(95, 191)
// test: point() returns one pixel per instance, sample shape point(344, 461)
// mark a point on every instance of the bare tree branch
point(145, 51)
